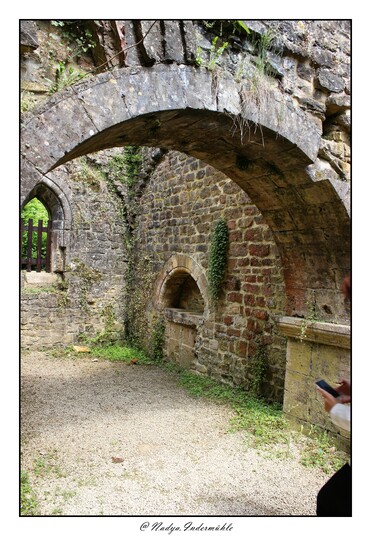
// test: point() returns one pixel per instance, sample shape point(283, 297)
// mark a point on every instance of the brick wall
point(182, 201)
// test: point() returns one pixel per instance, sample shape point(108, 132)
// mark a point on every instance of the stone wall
point(86, 297)
point(263, 131)
point(178, 210)
point(315, 350)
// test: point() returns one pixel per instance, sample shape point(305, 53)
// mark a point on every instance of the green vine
point(125, 168)
point(258, 368)
point(218, 257)
point(158, 339)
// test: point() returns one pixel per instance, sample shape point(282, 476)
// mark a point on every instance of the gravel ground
point(103, 438)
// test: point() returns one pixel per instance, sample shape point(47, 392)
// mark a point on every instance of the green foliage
point(216, 52)
point(29, 505)
point(28, 102)
point(263, 45)
point(258, 369)
point(240, 26)
point(36, 211)
point(117, 352)
point(265, 424)
point(64, 77)
point(139, 279)
point(158, 339)
point(46, 465)
point(218, 257)
point(319, 451)
point(125, 167)
point(77, 34)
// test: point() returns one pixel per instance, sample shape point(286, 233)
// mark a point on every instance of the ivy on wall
point(218, 257)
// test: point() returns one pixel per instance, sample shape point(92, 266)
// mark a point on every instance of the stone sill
point(181, 316)
point(38, 279)
point(318, 332)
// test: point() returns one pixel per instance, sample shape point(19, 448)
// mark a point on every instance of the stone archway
point(266, 151)
point(55, 200)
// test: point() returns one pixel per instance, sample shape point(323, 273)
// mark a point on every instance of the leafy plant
point(77, 34)
point(64, 77)
point(29, 504)
point(158, 339)
point(320, 451)
point(215, 53)
point(258, 368)
point(217, 258)
point(117, 352)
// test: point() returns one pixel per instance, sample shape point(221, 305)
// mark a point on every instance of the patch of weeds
point(158, 339)
point(265, 424)
point(65, 76)
point(319, 451)
point(39, 290)
point(29, 504)
point(117, 352)
point(61, 352)
point(68, 494)
point(259, 369)
point(87, 482)
point(57, 512)
point(46, 465)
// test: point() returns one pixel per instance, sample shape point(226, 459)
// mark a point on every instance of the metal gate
point(35, 249)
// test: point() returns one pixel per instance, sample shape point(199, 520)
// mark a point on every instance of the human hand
point(344, 390)
point(330, 400)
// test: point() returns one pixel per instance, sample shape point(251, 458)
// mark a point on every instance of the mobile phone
point(326, 387)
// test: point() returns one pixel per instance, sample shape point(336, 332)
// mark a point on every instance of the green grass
point(263, 422)
point(265, 426)
point(46, 465)
point(29, 504)
point(116, 352)
point(320, 451)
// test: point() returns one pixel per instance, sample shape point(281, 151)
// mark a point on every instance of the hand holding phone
point(326, 387)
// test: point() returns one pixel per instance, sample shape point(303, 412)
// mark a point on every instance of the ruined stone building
point(183, 125)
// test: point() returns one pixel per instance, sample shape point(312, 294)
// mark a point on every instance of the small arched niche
point(181, 295)
point(181, 292)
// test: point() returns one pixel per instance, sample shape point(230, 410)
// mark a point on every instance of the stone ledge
point(181, 316)
point(318, 332)
point(38, 279)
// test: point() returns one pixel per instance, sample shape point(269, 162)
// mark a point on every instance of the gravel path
point(102, 438)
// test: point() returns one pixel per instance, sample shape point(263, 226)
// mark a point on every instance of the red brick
point(235, 297)
point(262, 315)
point(259, 250)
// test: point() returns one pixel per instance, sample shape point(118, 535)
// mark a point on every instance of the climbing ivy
point(258, 365)
point(125, 168)
point(218, 256)
point(158, 339)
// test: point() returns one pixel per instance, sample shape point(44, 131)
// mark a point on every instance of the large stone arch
point(266, 149)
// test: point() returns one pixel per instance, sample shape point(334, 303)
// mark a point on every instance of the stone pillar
point(314, 350)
